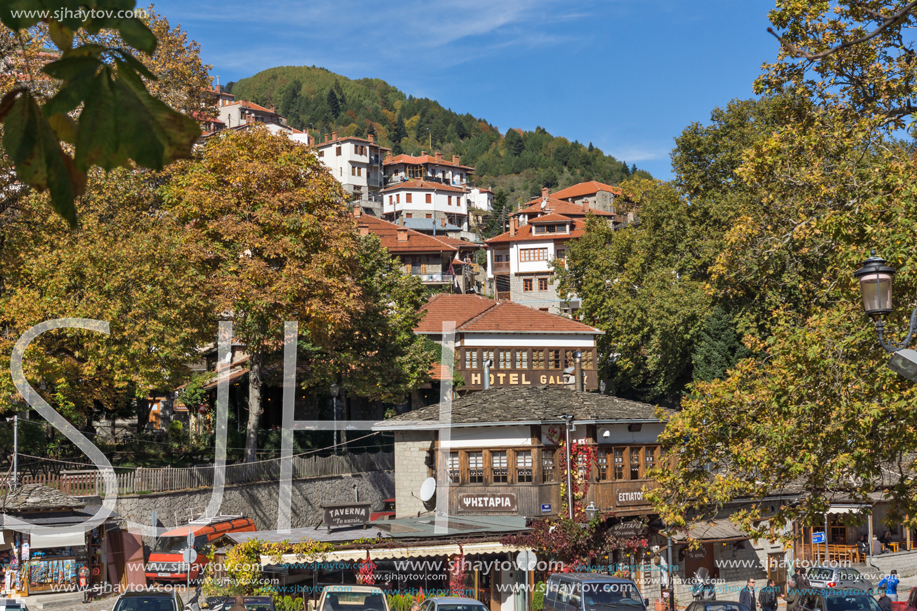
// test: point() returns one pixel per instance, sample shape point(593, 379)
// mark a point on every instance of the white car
point(353, 598)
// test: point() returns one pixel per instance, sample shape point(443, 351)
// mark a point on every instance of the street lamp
point(876, 278)
point(591, 511)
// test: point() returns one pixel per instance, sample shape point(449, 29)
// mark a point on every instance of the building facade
point(523, 347)
point(428, 168)
point(357, 164)
point(242, 112)
point(418, 199)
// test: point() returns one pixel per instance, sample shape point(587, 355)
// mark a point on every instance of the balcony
point(501, 266)
point(435, 278)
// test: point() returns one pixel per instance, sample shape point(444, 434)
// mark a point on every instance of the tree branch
point(887, 22)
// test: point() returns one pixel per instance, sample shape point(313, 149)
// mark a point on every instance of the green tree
point(333, 103)
point(266, 225)
point(718, 347)
point(514, 143)
point(401, 132)
point(93, 80)
point(290, 99)
point(499, 215)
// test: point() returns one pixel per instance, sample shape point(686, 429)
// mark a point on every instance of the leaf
point(63, 126)
point(138, 35)
point(37, 155)
point(97, 137)
point(61, 35)
point(137, 65)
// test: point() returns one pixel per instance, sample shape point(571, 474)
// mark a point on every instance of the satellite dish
point(526, 560)
point(427, 489)
point(544, 203)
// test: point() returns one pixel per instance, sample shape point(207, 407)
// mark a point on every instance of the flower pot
point(660, 605)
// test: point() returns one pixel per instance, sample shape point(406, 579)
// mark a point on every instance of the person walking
point(768, 597)
point(796, 596)
point(747, 596)
point(890, 584)
point(885, 602)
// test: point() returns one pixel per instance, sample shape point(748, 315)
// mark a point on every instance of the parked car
point(166, 563)
point(839, 578)
point(829, 601)
point(352, 598)
point(448, 603)
point(592, 592)
point(383, 510)
point(252, 603)
point(716, 605)
point(8, 604)
point(154, 600)
point(909, 605)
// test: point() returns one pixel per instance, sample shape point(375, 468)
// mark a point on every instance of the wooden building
point(499, 452)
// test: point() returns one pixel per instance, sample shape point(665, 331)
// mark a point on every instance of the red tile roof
point(585, 188)
point(423, 184)
point(251, 105)
point(558, 206)
point(475, 314)
point(457, 308)
point(525, 234)
point(509, 317)
point(388, 234)
point(344, 138)
point(550, 218)
point(424, 159)
point(458, 243)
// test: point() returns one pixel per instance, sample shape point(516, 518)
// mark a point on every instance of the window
point(487, 354)
point(601, 462)
point(321, 153)
point(415, 171)
point(526, 284)
point(547, 465)
point(337, 151)
point(453, 468)
point(542, 284)
point(498, 467)
point(533, 254)
point(359, 171)
point(554, 359)
point(428, 216)
point(588, 362)
point(524, 466)
point(544, 309)
point(409, 215)
point(475, 467)
point(353, 170)
point(581, 466)
point(504, 359)
point(619, 463)
point(561, 254)
point(471, 358)
point(429, 198)
point(448, 200)
point(522, 359)
point(635, 463)
point(649, 458)
point(537, 359)
point(391, 199)
point(398, 198)
point(498, 258)
point(407, 198)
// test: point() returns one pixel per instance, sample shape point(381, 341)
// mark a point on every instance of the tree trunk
point(254, 406)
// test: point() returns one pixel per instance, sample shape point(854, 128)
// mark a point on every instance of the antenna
point(428, 489)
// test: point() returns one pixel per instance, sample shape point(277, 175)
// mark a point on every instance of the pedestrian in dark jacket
point(885, 602)
point(767, 598)
point(797, 593)
point(747, 596)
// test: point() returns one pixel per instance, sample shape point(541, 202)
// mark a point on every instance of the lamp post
point(335, 391)
point(876, 279)
point(568, 419)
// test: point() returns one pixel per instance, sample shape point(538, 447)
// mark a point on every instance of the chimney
point(544, 193)
point(402, 234)
point(585, 206)
point(439, 157)
point(364, 231)
point(514, 226)
point(444, 221)
point(578, 370)
point(271, 108)
point(218, 88)
point(388, 154)
point(456, 159)
point(370, 137)
point(334, 135)
point(357, 210)
point(401, 220)
point(423, 153)
point(311, 140)
point(326, 137)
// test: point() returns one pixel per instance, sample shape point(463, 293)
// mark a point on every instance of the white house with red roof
point(525, 347)
point(356, 163)
point(428, 168)
point(419, 199)
point(242, 112)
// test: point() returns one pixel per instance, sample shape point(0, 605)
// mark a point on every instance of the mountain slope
point(518, 162)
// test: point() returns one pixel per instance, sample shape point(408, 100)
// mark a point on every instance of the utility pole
point(569, 422)
point(15, 420)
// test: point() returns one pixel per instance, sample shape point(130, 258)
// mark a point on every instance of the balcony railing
point(436, 278)
point(501, 266)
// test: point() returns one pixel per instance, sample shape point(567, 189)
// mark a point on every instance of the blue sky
point(626, 75)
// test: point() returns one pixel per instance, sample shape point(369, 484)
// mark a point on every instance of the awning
point(72, 538)
point(713, 531)
point(847, 508)
point(232, 378)
point(351, 555)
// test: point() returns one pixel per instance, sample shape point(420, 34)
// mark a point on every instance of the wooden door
point(694, 561)
point(776, 570)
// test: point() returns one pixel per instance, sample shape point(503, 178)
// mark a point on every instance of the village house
point(427, 204)
point(429, 168)
point(510, 344)
point(242, 112)
point(597, 195)
point(356, 163)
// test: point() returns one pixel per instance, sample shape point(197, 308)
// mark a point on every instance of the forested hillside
point(518, 162)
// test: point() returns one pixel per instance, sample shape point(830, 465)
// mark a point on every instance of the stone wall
point(260, 501)
point(411, 470)
point(903, 562)
point(535, 299)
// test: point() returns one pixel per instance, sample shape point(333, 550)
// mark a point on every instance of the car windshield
point(170, 545)
point(467, 607)
point(153, 602)
point(726, 607)
point(600, 596)
point(821, 573)
point(260, 606)
point(354, 601)
point(851, 603)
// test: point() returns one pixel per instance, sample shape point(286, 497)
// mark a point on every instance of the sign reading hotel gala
point(488, 501)
point(346, 514)
point(527, 377)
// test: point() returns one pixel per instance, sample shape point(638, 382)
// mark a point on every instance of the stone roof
point(528, 404)
point(36, 497)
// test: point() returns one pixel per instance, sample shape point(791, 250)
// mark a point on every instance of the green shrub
point(538, 596)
